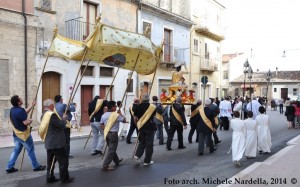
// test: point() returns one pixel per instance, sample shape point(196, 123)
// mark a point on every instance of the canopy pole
point(109, 90)
point(85, 51)
point(104, 99)
point(125, 91)
point(38, 87)
point(153, 78)
point(81, 76)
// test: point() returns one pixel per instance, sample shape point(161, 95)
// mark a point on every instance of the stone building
point(18, 33)
point(283, 84)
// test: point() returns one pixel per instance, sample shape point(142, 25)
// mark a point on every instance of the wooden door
point(86, 97)
point(103, 91)
point(51, 85)
point(284, 93)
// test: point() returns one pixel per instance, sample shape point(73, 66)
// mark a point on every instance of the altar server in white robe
point(238, 138)
point(251, 136)
point(263, 132)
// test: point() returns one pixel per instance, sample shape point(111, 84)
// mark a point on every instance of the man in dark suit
point(133, 127)
point(194, 120)
point(158, 120)
point(55, 143)
point(206, 127)
point(177, 123)
point(143, 116)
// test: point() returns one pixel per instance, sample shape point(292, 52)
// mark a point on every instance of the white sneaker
point(147, 164)
point(137, 160)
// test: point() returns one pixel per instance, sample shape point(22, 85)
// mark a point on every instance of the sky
point(268, 27)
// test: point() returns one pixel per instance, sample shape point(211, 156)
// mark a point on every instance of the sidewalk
point(281, 169)
point(6, 138)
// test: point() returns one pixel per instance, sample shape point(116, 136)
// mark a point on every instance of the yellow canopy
point(113, 47)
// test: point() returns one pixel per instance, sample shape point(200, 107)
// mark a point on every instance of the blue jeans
point(29, 146)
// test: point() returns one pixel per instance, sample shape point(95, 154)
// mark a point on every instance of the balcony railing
point(77, 29)
point(208, 64)
point(172, 55)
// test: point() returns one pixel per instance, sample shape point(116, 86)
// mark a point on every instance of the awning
point(248, 85)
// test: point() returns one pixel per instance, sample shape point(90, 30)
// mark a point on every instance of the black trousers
point(225, 123)
point(130, 132)
point(173, 129)
point(205, 137)
point(166, 125)
point(68, 139)
point(191, 133)
point(112, 143)
point(146, 138)
point(63, 161)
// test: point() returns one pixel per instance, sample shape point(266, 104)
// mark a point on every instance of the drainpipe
point(25, 51)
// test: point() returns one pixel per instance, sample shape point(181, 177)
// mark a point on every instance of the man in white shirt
point(225, 113)
point(254, 106)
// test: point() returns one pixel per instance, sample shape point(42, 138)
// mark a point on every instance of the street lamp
point(269, 74)
point(284, 52)
point(246, 66)
point(250, 72)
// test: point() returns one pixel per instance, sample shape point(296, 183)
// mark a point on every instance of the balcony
point(172, 55)
point(211, 31)
point(209, 65)
point(77, 29)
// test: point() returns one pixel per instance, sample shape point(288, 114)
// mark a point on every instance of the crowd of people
point(248, 121)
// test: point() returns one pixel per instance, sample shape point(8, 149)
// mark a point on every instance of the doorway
point(86, 97)
point(50, 85)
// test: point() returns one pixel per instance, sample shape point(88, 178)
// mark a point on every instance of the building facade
point(170, 26)
point(205, 44)
point(18, 31)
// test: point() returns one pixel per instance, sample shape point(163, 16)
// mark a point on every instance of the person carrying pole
point(52, 133)
point(22, 135)
point(144, 115)
point(110, 123)
point(96, 109)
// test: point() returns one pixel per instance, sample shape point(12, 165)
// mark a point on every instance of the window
point(264, 91)
point(89, 70)
point(275, 89)
point(89, 15)
point(46, 4)
point(167, 45)
point(130, 86)
point(225, 74)
point(236, 92)
point(145, 25)
point(106, 72)
point(4, 77)
point(196, 46)
point(295, 91)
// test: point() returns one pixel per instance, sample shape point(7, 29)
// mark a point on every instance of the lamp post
point(246, 66)
point(269, 74)
point(250, 72)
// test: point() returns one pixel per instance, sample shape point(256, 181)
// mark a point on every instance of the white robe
point(263, 133)
point(238, 139)
point(255, 106)
point(251, 138)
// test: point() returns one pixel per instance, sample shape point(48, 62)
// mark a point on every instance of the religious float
point(178, 88)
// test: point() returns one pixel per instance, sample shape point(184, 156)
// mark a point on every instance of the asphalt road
point(171, 168)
